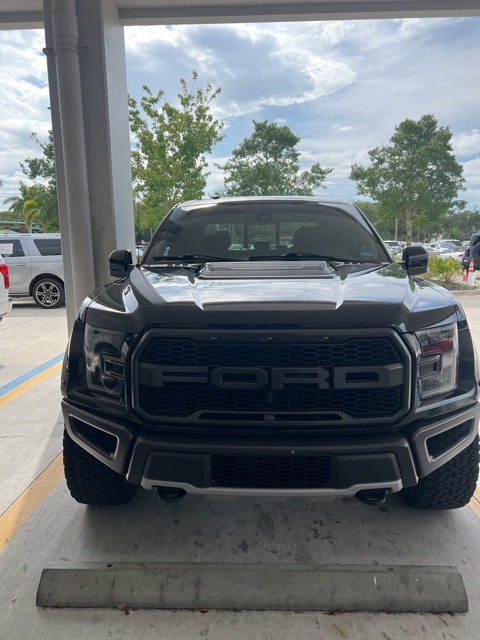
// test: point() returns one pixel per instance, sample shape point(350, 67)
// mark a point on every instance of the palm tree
point(16, 205)
point(30, 210)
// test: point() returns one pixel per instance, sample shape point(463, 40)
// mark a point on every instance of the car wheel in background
point(48, 293)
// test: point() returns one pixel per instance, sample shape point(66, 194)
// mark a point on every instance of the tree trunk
point(409, 215)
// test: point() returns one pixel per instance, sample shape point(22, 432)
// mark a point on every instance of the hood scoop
point(266, 269)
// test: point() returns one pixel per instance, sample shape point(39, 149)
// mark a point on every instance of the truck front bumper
point(281, 466)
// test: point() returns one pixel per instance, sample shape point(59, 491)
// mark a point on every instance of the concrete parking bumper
point(252, 586)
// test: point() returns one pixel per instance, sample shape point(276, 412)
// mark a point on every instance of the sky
point(342, 87)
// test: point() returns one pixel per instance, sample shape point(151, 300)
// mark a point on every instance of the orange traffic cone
point(471, 274)
point(465, 275)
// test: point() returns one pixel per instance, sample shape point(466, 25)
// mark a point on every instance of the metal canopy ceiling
point(24, 14)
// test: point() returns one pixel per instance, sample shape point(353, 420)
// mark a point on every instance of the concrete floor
point(201, 530)
point(29, 337)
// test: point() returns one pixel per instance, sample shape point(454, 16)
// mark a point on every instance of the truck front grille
point(270, 378)
point(271, 472)
point(185, 400)
point(186, 352)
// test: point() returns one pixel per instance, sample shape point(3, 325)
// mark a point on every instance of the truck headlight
point(105, 356)
point(438, 362)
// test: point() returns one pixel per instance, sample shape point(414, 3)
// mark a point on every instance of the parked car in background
point(444, 245)
point(454, 241)
point(456, 253)
point(430, 250)
point(472, 252)
point(35, 267)
point(395, 246)
point(5, 300)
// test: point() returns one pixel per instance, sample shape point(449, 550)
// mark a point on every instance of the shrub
point(444, 269)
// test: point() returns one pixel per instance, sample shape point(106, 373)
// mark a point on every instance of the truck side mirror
point(415, 260)
point(120, 263)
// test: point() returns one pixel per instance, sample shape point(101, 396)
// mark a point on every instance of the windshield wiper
point(311, 256)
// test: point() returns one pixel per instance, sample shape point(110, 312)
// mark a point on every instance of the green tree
point(45, 200)
point(267, 163)
point(385, 227)
point(44, 193)
point(30, 212)
point(168, 161)
point(42, 167)
point(370, 209)
point(415, 177)
point(461, 224)
point(15, 203)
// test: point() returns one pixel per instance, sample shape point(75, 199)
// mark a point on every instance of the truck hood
point(275, 292)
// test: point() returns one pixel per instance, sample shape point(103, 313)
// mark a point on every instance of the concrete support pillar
point(104, 90)
point(87, 78)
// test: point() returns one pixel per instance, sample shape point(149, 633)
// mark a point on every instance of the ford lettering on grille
point(199, 378)
point(273, 377)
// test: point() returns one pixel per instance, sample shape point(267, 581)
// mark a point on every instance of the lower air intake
point(271, 472)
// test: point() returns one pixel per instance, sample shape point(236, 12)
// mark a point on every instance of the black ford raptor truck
point(271, 347)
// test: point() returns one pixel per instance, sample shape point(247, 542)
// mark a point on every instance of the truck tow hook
point(170, 494)
point(373, 498)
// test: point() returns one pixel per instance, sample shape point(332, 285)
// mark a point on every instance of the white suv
point(35, 266)
point(5, 301)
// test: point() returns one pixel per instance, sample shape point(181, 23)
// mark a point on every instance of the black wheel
point(449, 487)
point(49, 293)
point(90, 481)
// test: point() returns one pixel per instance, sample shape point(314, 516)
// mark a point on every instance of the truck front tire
point(449, 487)
point(90, 481)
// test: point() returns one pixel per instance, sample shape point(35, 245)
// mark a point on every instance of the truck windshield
point(261, 230)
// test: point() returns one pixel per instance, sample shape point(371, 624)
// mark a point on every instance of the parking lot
point(42, 525)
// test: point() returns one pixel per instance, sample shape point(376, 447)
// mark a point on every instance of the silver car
point(442, 246)
point(35, 267)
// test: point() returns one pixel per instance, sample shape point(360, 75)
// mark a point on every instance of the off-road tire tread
point(90, 481)
point(449, 487)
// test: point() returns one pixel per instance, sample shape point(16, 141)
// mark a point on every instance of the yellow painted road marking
point(18, 513)
point(29, 384)
point(474, 503)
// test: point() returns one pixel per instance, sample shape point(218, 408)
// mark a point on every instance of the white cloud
point(24, 102)
point(257, 66)
point(471, 172)
point(467, 143)
point(342, 127)
point(341, 86)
